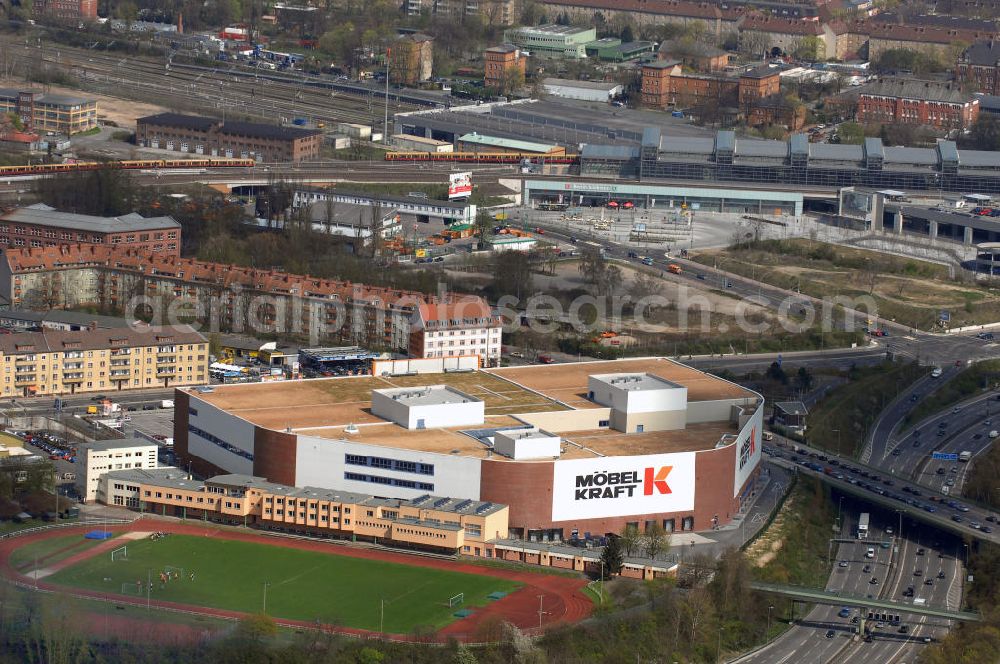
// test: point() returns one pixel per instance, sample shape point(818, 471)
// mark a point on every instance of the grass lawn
point(302, 585)
point(50, 551)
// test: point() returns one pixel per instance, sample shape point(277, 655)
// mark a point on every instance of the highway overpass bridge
point(816, 596)
point(893, 498)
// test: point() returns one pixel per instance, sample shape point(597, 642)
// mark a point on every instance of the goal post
point(130, 588)
point(456, 600)
point(170, 570)
point(121, 553)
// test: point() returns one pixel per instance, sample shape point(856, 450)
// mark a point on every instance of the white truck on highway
point(965, 455)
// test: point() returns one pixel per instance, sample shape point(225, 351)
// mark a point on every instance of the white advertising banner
point(622, 486)
point(460, 185)
point(747, 449)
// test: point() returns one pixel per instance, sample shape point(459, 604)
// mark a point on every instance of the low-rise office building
point(552, 40)
point(54, 362)
point(246, 140)
point(445, 525)
point(98, 459)
point(42, 226)
point(47, 112)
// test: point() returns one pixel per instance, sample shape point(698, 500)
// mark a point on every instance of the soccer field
point(301, 585)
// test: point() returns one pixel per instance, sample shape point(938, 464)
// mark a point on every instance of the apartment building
point(246, 140)
point(57, 362)
point(665, 83)
point(715, 18)
point(65, 9)
point(45, 112)
point(928, 103)
point(937, 41)
point(411, 59)
point(978, 68)
point(444, 525)
point(758, 83)
point(504, 67)
point(229, 297)
point(42, 226)
point(106, 456)
point(456, 329)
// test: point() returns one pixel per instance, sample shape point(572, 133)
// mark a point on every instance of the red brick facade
point(67, 9)
point(901, 110)
point(16, 230)
point(504, 68)
point(527, 489)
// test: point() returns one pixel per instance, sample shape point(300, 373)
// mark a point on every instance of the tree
point(512, 275)
point(809, 48)
point(851, 133)
point(463, 655)
point(256, 627)
point(804, 378)
point(627, 35)
point(656, 540)
point(630, 539)
point(984, 133)
point(612, 559)
point(776, 373)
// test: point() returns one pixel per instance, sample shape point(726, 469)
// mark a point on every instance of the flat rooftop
point(587, 444)
point(430, 395)
point(325, 408)
point(332, 402)
point(567, 383)
point(637, 382)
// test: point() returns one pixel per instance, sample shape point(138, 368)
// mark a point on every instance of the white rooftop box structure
point(428, 407)
point(640, 402)
point(527, 443)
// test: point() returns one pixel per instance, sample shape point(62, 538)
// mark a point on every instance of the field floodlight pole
point(381, 615)
point(266, 584)
point(149, 584)
point(541, 598)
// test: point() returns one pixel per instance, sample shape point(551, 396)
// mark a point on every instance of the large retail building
point(572, 449)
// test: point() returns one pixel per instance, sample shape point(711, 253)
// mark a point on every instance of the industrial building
point(582, 90)
point(418, 208)
point(571, 449)
point(796, 163)
point(246, 140)
point(563, 41)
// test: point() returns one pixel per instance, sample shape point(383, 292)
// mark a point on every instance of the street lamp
point(840, 510)
point(769, 609)
point(266, 584)
point(718, 651)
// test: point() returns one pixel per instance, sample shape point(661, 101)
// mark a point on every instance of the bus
point(593, 247)
point(863, 526)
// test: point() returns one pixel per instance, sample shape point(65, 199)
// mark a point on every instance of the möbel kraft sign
point(622, 486)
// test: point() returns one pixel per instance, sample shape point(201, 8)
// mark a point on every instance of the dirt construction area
point(120, 111)
point(563, 598)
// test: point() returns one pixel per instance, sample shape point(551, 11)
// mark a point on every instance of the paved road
point(963, 427)
point(891, 418)
point(824, 636)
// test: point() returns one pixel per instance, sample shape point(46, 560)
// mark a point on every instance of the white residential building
point(457, 328)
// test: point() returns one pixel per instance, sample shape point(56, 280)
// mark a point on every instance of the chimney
point(180, 24)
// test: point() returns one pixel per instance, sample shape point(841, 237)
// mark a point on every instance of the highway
point(824, 635)
point(960, 517)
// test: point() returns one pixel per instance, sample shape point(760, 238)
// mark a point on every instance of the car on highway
point(903, 629)
point(986, 529)
point(873, 581)
point(844, 611)
point(940, 471)
point(928, 582)
point(956, 518)
point(940, 574)
point(918, 572)
point(830, 634)
point(843, 563)
point(700, 276)
point(921, 551)
point(897, 452)
point(936, 373)
point(867, 569)
point(908, 592)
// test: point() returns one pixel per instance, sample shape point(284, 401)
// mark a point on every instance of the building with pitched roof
point(229, 297)
point(210, 137)
point(451, 329)
point(59, 362)
point(978, 68)
point(926, 103)
point(40, 225)
point(716, 19)
point(931, 39)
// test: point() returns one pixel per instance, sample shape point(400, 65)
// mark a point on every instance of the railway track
point(220, 91)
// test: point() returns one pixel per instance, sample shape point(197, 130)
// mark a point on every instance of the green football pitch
point(300, 585)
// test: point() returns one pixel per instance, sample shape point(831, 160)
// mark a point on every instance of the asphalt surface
point(923, 504)
point(824, 636)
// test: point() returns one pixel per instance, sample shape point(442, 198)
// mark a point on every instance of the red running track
point(562, 599)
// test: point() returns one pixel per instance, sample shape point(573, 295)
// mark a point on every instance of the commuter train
point(46, 169)
point(483, 157)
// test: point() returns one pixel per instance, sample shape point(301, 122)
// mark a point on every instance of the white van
point(870, 553)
